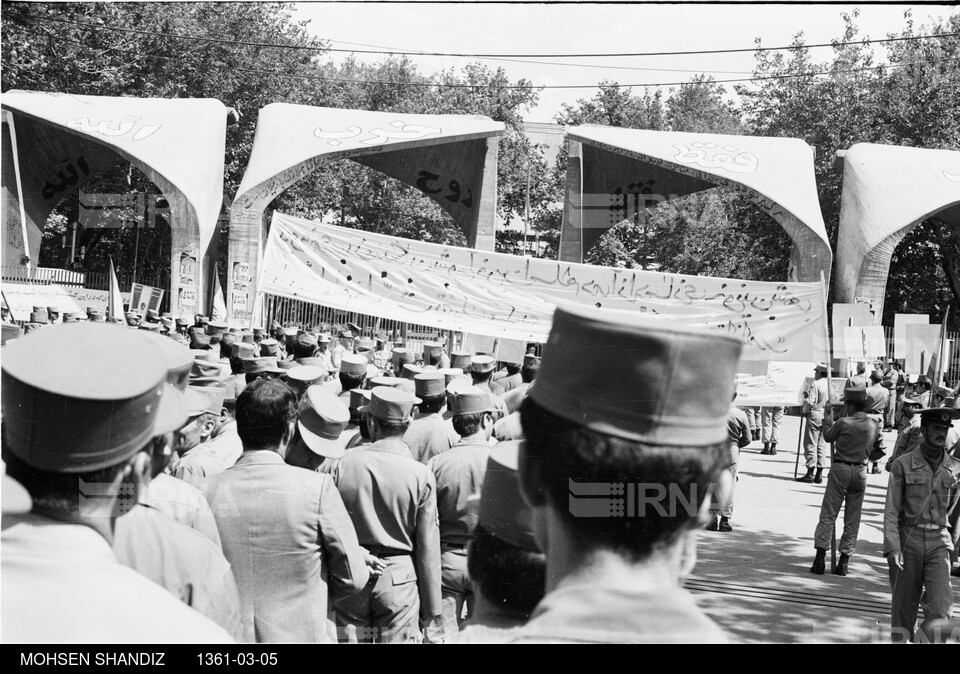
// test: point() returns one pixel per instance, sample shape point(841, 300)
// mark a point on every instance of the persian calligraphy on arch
point(513, 297)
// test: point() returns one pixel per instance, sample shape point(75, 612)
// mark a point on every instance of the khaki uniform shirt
point(61, 583)
point(459, 472)
point(392, 501)
point(182, 560)
point(919, 496)
point(854, 437)
point(429, 436)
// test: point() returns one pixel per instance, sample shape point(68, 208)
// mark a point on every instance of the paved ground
point(755, 581)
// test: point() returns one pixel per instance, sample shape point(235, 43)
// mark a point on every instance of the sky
point(589, 28)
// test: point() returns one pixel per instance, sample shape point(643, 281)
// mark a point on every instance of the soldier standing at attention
point(923, 491)
point(814, 446)
point(854, 436)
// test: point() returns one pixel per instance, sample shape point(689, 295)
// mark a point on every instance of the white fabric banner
point(67, 299)
point(510, 296)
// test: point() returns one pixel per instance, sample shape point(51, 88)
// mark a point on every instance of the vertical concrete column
point(485, 228)
point(245, 249)
point(186, 259)
point(571, 229)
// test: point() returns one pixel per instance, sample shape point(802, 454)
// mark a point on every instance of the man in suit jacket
point(285, 530)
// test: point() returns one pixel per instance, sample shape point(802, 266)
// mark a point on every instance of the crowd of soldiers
point(203, 483)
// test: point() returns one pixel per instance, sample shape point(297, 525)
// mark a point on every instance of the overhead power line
point(399, 52)
point(440, 84)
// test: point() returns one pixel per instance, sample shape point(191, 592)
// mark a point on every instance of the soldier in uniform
point(198, 460)
point(814, 446)
point(383, 355)
point(770, 420)
point(353, 372)
point(894, 377)
point(877, 398)
point(481, 370)
point(430, 434)
point(918, 538)
point(459, 473)
point(506, 566)
point(854, 436)
point(909, 435)
point(528, 372)
point(405, 536)
point(588, 426)
point(738, 437)
point(321, 435)
point(60, 578)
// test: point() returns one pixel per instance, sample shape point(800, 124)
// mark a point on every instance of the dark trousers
point(925, 578)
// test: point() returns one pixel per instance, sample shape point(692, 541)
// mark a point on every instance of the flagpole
point(938, 373)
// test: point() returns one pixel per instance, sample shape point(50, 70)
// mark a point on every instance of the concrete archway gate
point(887, 191)
point(450, 158)
point(607, 165)
point(54, 143)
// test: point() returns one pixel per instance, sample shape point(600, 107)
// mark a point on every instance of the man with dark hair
point(353, 372)
point(656, 416)
point(481, 370)
point(854, 436)
point(392, 501)
point(430, 434)
point(919, 533)
point(81, 444)
point(505, 563)
point(814, 446)
point(285, 530)
point(528, 372)
point(459, 475)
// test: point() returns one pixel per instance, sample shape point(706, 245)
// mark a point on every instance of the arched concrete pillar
point(63, 140)
point(452, 159)
point(613, 172)
point(887, 191)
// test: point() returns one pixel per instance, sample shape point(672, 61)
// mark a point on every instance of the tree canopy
point(905, 93)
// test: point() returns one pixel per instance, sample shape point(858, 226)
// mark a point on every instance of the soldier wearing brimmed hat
point(285, 529)
point(854, 436)
point(506, 565)
point(262, 367)
point(322, 433)
point(656, 414)
point(401, 357)
point(80, 443)
point(918, 535)
point(481, 370)
point(198, 460)
point(459, 475)
point(528, 372)
point(877, 398)
point(357, 428)
point(909, 435)
point(738, 437)
point(814, 446)
point(406, 595)
point(383, 353)
point(342, 347)
point(501, 382)
point(430, 434)
point(353, 372)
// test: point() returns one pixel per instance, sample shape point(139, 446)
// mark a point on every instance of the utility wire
point(440, 84)
point(478, 55)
